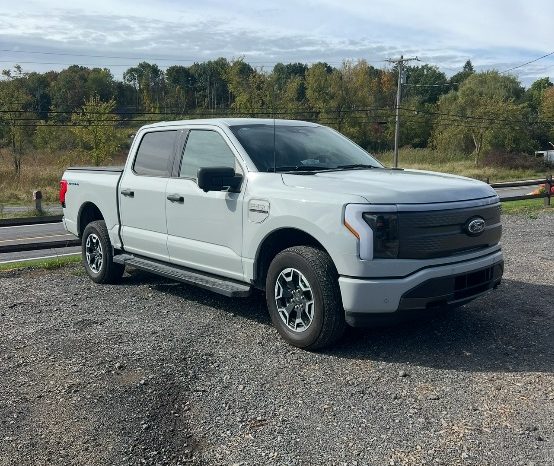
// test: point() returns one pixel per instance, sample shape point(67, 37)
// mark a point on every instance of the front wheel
point(97, 254)
point(303, 297)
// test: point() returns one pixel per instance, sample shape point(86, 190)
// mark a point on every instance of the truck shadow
point(251, 308)
point(509, 330)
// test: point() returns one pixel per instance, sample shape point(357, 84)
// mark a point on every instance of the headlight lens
point(385, 234)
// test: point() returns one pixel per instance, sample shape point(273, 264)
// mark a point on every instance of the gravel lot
point(153, 372)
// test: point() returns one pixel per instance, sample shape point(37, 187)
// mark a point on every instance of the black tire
point(108, 271)
point(328, 323)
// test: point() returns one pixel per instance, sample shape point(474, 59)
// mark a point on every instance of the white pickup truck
point(292, 208)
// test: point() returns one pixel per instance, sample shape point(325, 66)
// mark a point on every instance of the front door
point(204, 229)
point(142, 197)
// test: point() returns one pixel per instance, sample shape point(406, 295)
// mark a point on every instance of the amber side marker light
point(349, 227)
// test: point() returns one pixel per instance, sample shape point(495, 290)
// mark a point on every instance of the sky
point(493, 34)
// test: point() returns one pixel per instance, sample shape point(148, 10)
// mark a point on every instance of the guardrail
point(546, 195)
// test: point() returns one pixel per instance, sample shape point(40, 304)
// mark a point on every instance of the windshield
point(308, 148)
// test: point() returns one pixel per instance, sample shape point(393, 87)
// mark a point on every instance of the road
point(519, 191)
point(33, 234)
point(26, 234)
point(44, 233)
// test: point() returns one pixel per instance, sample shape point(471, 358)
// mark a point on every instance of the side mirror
point(218, 179)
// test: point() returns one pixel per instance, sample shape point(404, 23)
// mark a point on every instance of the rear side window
point(155, 153)
point(205, 148)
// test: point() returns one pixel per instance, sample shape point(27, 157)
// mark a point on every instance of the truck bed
point(95, 186)
point(114, 169)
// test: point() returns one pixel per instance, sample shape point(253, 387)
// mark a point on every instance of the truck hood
point(385, 186)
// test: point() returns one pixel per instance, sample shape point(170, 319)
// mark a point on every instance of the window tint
point(205, 149)
point(154, 153)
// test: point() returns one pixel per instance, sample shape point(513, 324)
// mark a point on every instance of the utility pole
point(400, 63)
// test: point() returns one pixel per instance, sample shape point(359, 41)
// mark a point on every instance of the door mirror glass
point(218, 179)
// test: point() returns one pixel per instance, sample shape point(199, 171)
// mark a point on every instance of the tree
point(425, 83)
point(546, 111)
point(485, 113)
point(148, 81)
point(251, 90)
point(181, 84)
point(94, 127)
point(211, 90)
point(461, 76)
point(16, 123)
point(534, 94)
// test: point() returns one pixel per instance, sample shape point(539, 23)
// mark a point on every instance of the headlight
point(375, 227)
point(385, 234)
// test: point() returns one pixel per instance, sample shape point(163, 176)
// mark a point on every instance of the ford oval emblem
point(475, 226)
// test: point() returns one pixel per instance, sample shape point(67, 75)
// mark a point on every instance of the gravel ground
point(153, 372)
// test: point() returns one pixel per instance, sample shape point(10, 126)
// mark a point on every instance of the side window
point(155, 153)
point(205, 148)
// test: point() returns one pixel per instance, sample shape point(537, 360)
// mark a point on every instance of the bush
point(54, 138)
point(517, 160)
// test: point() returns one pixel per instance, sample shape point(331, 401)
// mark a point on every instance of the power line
point(526, 63)
point(469, 117)
point(256, 110)
point(430, 85)
point(318, 114)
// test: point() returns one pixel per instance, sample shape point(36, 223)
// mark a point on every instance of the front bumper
point(452, 284)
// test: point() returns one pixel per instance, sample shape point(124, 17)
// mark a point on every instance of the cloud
point(493, 33)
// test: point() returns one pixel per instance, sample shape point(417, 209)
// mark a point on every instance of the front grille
point(441, 233)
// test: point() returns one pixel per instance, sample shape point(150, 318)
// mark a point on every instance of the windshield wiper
point(354, 166)
point(302, 168)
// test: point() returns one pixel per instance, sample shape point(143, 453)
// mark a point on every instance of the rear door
point(205, 229)
point(142, 197)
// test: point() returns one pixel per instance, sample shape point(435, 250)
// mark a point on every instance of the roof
point(232, 122)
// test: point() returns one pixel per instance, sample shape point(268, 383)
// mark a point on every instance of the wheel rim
point(294, 299)
point(93, 252)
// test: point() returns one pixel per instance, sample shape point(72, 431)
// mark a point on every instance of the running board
point(224, 286)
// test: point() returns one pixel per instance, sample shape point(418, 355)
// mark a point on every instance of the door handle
point(128, 193)
point(175, 198)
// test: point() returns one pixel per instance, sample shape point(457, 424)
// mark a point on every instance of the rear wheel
point(97, 253)
point(303, 297)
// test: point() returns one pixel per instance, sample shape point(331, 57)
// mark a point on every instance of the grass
point(46, 264)
point(458, 164)
point(24, 213)
point(40, 171)
point(530, 207)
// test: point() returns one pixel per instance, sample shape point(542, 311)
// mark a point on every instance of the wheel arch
point(88, 212)
point(275, 242)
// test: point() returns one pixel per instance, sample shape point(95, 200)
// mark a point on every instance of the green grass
point(46, 264)
point(25, 214)
point(529, 207)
